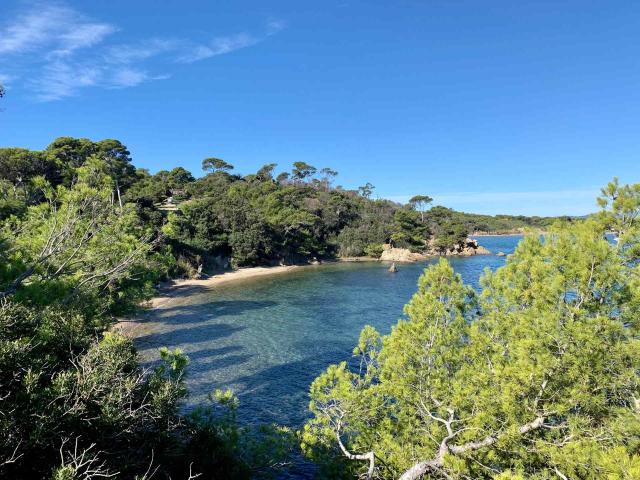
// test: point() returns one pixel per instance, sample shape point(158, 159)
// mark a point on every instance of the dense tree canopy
point(536, 376)
point(229, 219)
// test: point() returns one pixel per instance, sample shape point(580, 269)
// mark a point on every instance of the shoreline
point(512, 234)
point(172, 288)
point(176, 288)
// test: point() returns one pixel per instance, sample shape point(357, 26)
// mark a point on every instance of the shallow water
point(268, 338)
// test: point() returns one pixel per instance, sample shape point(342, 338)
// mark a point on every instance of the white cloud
point(85, 35)
point(274, 26)
point(60, 79)
point(231, 43)
point(56, 27)
point(128, 77)
point(63, 51)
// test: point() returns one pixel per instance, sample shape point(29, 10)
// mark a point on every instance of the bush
point(374, 249)
point(93, 393)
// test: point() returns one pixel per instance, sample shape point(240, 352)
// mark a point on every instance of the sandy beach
point(173, 288)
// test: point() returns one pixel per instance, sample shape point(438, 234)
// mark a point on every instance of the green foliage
point(623, 216)
point(224, 448)
point(215, 165)
point(79, 245)
point(535, 377)
point(408, 230)
point(61, 387)
point(372, 226)
point(420, 202)
point(302, 170)
point(374, 250)
point(69, 153)
point(226, 219)
point(366, 190)
point(69, 261)
point(487, 223)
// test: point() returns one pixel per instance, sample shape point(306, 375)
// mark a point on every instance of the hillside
point(224, 219)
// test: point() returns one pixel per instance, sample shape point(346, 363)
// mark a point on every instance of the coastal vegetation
point(226, 219)
point(535, 376)
point(75, 402)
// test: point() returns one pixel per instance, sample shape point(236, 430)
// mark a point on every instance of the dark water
point(268, 338)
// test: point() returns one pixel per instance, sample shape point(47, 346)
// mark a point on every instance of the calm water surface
point(268, 338)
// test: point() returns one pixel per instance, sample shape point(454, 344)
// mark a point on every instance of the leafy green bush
point(374, 249)
point(60, 385)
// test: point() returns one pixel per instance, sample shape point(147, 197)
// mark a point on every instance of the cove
point(268, 338)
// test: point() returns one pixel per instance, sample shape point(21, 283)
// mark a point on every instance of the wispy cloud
point(59, 79)
point(61, 51)
point(138, 52)
point(228, 44)
point(219, 46)
point(551, 202)
point(55, 27)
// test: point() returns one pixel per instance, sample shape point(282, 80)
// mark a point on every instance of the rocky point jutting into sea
point(468, 248)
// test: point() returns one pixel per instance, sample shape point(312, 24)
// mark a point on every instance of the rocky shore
point(468, 248)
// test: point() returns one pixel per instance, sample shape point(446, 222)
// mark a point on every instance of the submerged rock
point(501, 254)
point(393, 268)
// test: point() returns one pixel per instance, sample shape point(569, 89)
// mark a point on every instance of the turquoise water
point(268, 338)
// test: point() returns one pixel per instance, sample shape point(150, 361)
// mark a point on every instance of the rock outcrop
point(392, 254)
point(467, 248)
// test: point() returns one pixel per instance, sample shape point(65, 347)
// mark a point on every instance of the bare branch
point(369, 456)
point(436, 464)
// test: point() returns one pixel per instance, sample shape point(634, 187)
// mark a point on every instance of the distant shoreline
point(512, 234)
point(509, 234)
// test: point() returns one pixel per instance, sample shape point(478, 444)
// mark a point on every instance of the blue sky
point(491, 107)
